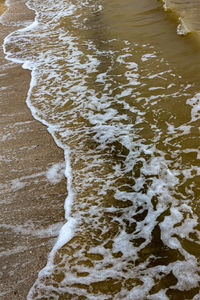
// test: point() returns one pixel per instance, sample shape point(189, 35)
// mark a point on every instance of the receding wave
point(128, 124)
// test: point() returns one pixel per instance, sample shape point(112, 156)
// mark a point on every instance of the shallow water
point(119, 91)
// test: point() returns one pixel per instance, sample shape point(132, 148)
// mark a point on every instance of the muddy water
point(119, 91)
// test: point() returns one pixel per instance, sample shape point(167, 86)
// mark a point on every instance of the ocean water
point(119, 91)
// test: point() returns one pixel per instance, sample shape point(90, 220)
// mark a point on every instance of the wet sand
point(29, 203)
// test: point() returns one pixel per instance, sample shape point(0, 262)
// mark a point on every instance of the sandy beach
point(117, 82)
point(29, 203)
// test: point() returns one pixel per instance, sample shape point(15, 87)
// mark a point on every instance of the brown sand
point(26, 152)
point(2, 7)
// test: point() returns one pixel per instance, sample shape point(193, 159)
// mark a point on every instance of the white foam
point(122, 243)
point(141, 292)
point(70, 196)
point(65, 235)
point(186, 274)
point(17, 184)
point(29, 228)
point(147, 56)
point(165, 5)
point(182, 28)
point(56, 173)
point(195, 104)
point(18, 249)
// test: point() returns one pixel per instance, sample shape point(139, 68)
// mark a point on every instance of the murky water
point(119, 91)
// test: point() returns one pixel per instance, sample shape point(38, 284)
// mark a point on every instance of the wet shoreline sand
point(31, 207)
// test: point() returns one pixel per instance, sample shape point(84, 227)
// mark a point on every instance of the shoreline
point(32, 208)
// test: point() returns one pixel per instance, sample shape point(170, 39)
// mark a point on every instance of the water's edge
point(29, 227)
point(66, 232)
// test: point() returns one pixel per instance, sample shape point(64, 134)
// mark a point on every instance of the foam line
point(66, 232)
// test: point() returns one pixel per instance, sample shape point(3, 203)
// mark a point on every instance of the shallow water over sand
point(119, 91)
